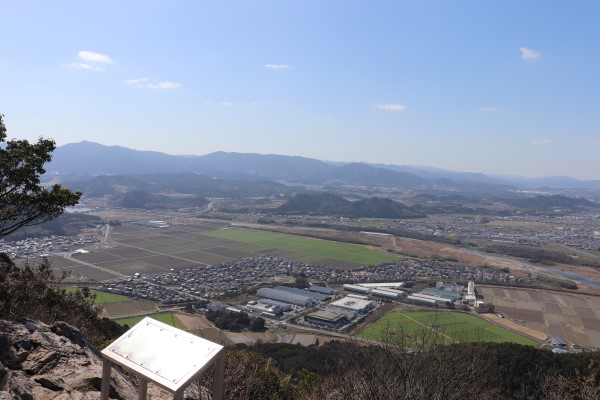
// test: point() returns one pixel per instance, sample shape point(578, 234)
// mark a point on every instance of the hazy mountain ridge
point(92, 159)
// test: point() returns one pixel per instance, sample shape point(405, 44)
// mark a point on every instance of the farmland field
point(102, 297)
point(167, 318)
point(575, 318)
point(152, 251)
point(305, 249)
point(130, 307)
point(441, 327)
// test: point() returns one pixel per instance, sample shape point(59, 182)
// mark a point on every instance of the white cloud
point(390, 107)
point(597, 142)
point(541, 142)
point(90, 61)
point(164, 85)
point(488, 109)
point(277, 66)
point(253, 104)
point(83, 66)
point(147, 83)
point(218, 103)
point(529, 55)
point(91, 57)
point(137, 81)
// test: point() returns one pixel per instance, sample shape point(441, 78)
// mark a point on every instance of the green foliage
point(533, 254)
point(65, 224)
point(141, 199)
point(292, 359)
point(541, 204)
point(248, 376)
point(28, 293)
point(502, 371)
point(236, 321)
point(23, 200)
point(561, 283)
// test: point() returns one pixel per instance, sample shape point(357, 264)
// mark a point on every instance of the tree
point(23, 199)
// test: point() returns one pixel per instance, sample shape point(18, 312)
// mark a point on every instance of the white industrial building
point(387, 289)
point(393, 285)
point(353, 304)
point(424, 298)
point(357, 289)
point(323, 289)
point(385, 294)
point(263, 308)
point(285, 307)
point(471, 288)
point(358, 296)
point(286, 297)
point(316, 296)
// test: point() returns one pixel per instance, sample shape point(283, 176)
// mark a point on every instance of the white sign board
point(162, 354)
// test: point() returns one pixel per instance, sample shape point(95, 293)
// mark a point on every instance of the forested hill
point(332, 204)
point(554, 201)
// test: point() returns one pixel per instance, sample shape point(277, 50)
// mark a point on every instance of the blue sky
point(504, 87)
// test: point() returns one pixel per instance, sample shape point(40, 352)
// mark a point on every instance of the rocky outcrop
point(42, 362)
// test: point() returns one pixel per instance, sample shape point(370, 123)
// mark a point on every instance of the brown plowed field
point(128, 308)
point(515, 327)
point(575, 318)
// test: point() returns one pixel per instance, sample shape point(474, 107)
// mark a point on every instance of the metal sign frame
point(166, 356)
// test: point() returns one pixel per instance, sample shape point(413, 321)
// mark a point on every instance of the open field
point(306, 249)
point(575, 318)
point(167, 318)
point(130, 307)
point(495, 319)
point(441, 327)
point(148, 250)
point(102, 297)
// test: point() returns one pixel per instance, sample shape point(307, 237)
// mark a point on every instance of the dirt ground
point(572, 317)
point(128, 308)
point(193, 322)
point(514, 327)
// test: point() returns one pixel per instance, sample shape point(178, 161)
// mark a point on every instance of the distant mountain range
point(83, 160)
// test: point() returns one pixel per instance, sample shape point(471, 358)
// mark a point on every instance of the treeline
point(392, 231)
point(236, 321)
point(64, 225)
point(29, 293)
point(492, 370)
point(148, 201)
point(533, 254)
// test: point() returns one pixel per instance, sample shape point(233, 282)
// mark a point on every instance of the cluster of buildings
point(389, 291)
point(577, 231)
point(340, 313)
point(299, 297)
point(442, 294)
point(232, 277)
point(135, 287)
point(45, 246)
